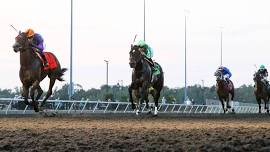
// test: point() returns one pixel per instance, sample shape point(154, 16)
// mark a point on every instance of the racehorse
point(225, 91)
point(32, 71)
point(261, 92)
point(141, 80)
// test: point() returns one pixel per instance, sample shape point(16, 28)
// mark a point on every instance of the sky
point(104, 29)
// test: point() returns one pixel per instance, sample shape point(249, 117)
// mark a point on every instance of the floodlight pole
point(71, 51)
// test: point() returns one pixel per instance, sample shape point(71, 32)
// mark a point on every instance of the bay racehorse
point(225, 91)
point(32, 71)
point(142, 80)
point(261, 92)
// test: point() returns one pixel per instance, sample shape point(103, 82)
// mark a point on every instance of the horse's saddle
point(52, 64)
point(155, 67)
point(40, 57)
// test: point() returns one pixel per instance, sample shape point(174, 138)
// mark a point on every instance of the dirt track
point(115, 133)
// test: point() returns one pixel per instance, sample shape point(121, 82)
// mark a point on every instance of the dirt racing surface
point(131, 133)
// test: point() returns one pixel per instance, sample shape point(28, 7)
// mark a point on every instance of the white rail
point(16, 106)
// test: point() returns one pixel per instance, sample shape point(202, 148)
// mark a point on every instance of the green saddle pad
point(156, 69)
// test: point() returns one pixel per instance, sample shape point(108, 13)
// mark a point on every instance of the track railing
point(16, 106)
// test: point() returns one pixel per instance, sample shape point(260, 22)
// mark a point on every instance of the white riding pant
point(225, 76)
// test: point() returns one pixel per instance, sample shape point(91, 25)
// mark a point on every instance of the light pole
point(186, 13)
point(71, 47)
point(203, 83)
point(144, 20)
point(107, 70)
point(221, 45)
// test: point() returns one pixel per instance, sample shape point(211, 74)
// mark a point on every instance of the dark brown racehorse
point(261, 92)
point(142, 80)
point(32, 72)
point(225, 91)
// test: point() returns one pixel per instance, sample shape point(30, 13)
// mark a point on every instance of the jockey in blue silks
point(226, 73)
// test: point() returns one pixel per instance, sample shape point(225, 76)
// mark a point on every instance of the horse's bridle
point(219, 75)
point(19, 46)
point(133, 50)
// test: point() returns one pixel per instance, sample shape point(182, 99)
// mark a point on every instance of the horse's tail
point(61, 73)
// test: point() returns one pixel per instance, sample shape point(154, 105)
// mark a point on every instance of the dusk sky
point(104, 29)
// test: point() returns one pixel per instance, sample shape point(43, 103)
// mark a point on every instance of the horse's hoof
point(133, 106)
point(41, 109)
point(138, 112)
point(36, 109)
point(155, 111)
point(35, 105)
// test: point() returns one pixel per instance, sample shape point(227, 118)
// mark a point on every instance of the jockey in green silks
point(263, 71)
point(147, 51)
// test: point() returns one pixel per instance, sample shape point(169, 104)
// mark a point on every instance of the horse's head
point(257, 77)
point(219, 78)
point(21, 42)
point(135, 55)
point(218, 75)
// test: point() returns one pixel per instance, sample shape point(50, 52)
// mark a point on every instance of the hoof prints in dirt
point(133, 134)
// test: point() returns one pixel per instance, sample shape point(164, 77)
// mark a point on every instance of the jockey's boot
point(151, 62)
point(154, 79)
point(151, 88)
point(44, 59)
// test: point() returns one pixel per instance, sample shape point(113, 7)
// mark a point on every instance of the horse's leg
point(156, 96)
point(40, 91)
point(49, 93)
point(229, 107)
point(222, 103)
point(25, 94)
point(144, 93)
point(146, 102)
point(32, 94)
point(266, 105)
point(228, 101)
point(259, 103)
point(130, 96)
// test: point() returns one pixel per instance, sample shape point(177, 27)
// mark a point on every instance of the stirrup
point(45, 64)
point(151, 88)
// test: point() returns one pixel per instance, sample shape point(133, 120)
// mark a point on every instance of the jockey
point(263, 71)
point(225, 73)
point(147, 51)
point(36, 41)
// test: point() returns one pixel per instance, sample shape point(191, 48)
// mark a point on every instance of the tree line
point(196, 93)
